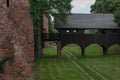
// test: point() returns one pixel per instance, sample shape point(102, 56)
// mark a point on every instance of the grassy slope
point(50, 68)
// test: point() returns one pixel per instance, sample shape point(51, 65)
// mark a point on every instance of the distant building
point(46, 28)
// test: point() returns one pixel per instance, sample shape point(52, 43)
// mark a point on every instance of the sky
point(81, 6)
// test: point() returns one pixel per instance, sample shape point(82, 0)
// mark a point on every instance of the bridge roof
point(88, 21)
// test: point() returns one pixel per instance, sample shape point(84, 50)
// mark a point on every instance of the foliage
point(59, 8)
point(52, 30)
point(107, 6)
point(55, 8)
point(117, 16)
point(36, 14)
point(63, 7)
point(103, 6)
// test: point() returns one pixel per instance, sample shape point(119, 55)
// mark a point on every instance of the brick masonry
point(16, 39)
point(46, 29)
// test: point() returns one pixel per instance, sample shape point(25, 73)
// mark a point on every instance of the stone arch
point(74, 48)
point(114, 49)
point(97, 52)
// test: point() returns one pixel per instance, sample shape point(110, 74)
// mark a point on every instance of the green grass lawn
point(94, 66)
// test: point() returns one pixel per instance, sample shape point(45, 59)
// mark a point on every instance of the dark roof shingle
point(87, 21)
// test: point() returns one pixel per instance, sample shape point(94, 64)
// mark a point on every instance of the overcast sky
point(81, 6)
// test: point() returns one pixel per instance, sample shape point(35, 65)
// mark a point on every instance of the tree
point(52, 30)
point(117, 12)
point(107, 6)
point(103, 6)
point(59, 8)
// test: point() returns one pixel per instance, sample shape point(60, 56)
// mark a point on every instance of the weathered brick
point(16, 39)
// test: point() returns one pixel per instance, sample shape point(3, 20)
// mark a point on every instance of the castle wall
point(16, 39)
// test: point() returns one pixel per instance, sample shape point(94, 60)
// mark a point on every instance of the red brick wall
point(46, 29)
point(16, 38)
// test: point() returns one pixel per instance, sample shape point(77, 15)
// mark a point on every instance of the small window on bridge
point(91, 31)
point(74, 31)
point(67, 31)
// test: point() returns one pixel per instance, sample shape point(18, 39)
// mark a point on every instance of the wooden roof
point(88, 21)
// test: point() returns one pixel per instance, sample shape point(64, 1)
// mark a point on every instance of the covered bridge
point(77, 24)
point(74, 31)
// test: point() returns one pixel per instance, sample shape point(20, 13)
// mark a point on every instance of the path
point(72, 58)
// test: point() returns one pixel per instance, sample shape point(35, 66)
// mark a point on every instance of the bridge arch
point(114, 49)
point(72, 49)
point(94, 49)
point(114, 43)
point(83, 46)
